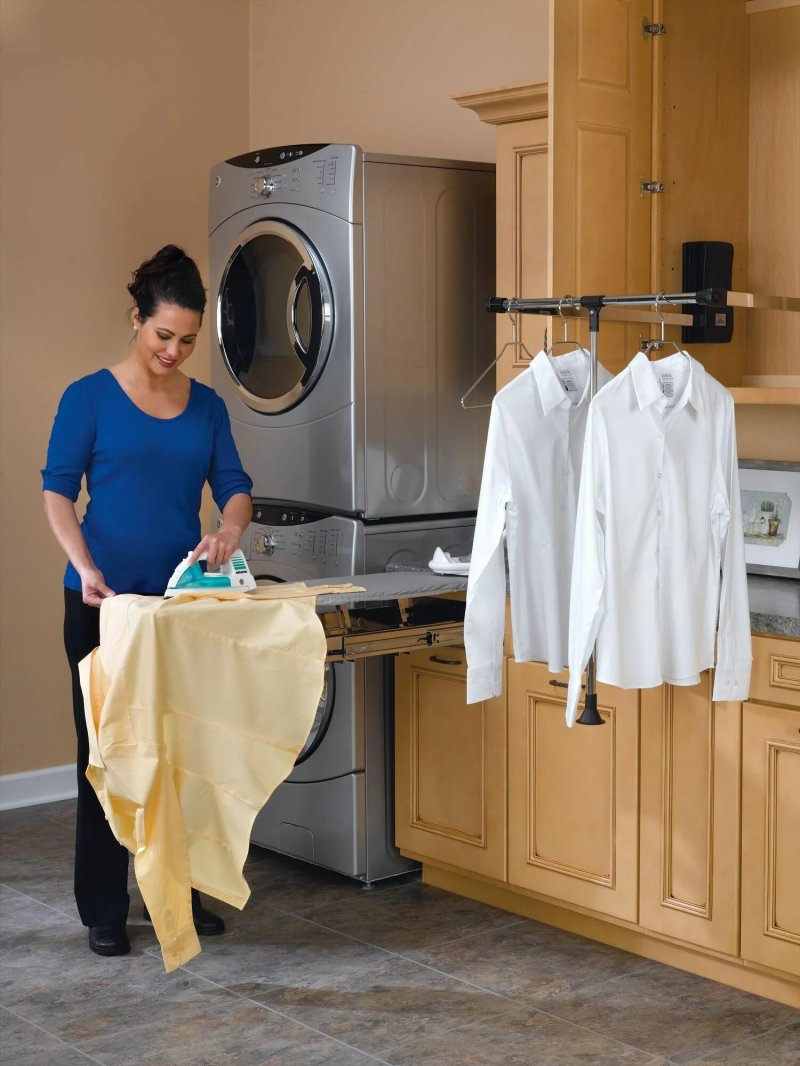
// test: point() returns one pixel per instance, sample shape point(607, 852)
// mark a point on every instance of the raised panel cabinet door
point(521, 235)
point(573, 794)
point(771, 836)
point(449, 765)
point(600, 144)
point(690, 816)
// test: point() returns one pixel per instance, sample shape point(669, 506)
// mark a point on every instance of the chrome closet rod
point(549, 304)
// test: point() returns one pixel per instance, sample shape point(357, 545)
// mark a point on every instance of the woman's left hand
point(220, 546)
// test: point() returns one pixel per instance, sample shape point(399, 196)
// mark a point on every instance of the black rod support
point(590, 715)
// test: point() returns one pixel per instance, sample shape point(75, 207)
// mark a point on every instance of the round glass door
point(324, 711)
point(274, 317)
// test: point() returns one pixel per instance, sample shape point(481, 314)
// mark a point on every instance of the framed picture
point(771, 516)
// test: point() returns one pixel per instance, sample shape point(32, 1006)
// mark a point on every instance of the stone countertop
point(774, 602)
point(774, 605)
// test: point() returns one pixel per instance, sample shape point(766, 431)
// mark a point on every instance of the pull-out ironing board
point(395, 612)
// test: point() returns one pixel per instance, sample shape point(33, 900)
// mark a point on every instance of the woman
point(147, 438)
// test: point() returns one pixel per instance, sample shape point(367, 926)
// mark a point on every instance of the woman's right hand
point(94, 588)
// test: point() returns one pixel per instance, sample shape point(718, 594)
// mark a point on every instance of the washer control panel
point(296, 538)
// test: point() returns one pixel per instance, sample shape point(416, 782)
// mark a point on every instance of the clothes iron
point(235, 574)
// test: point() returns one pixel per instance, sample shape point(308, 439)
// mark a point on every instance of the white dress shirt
point(529, 491)
point(659, 551)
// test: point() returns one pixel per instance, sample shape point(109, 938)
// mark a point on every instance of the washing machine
point(336, 808)
point(347, 292)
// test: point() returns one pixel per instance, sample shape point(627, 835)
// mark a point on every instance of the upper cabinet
point(695, 101)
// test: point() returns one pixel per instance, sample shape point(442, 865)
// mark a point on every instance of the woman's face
point(167, 338)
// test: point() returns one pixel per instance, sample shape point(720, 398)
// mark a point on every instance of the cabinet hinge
point(653, 29)
point(651, 186)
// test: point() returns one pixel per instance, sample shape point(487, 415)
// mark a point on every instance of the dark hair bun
point(170, 276)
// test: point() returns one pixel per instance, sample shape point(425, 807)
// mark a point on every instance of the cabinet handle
point(446, 662)
point(561, 684)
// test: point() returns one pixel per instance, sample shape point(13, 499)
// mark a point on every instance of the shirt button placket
point(659, 510)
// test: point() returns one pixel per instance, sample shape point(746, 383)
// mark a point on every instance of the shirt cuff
point(484, 682)
point(732, 682)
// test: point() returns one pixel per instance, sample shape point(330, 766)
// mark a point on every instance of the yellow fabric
point(196, 709)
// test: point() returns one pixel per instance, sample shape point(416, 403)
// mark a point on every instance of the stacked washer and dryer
point(348, 291)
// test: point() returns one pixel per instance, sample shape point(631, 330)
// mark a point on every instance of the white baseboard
point(38, 786)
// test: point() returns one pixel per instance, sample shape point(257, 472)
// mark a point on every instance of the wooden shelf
point(756, 7)
point(785, 397)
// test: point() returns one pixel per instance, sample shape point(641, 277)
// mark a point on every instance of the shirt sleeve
point(588, 561)
point(226, 476)
point(484, 620)
point(71, 442)
point(734, 647)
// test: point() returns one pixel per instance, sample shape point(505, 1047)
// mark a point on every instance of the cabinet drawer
point(776, 671)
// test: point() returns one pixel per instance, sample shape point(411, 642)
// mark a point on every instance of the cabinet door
point(601, 122)
point(572, 794)
point(689, 835)
point(771, 836)
point(521, 234)
point(450, 765)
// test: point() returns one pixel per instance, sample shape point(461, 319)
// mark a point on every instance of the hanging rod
point(548, 305)
point(707, 297)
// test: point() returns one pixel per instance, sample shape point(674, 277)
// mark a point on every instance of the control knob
point(265, 544)
point(264, 186)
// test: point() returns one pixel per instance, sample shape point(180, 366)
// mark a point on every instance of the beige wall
point(381, 73)
point(113, 111)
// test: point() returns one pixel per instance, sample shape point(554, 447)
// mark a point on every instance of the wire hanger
point(574, 345)
point(513, 343)
point(655, 345)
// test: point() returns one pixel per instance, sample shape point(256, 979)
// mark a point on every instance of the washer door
point(274, 316)
point(324, 712)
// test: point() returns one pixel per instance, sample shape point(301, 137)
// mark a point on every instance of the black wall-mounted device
point(707, 265)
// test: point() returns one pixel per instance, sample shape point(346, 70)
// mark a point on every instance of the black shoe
point(109, 940)
point(206, 923)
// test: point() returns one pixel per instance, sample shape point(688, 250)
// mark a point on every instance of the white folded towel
point(445, 563)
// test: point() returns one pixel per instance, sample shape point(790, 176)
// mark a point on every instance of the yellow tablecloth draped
point(197, 708)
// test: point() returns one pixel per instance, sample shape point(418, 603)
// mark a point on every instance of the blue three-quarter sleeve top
point(144, 476)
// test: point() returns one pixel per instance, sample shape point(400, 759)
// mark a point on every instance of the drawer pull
point(561, 684)
point(446, 662)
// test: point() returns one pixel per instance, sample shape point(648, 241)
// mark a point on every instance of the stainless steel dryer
point(336, 809)
point(347, 292)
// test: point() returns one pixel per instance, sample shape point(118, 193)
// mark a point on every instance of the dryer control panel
point(323, 176)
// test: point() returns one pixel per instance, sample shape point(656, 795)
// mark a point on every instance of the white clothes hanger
point(513, 343)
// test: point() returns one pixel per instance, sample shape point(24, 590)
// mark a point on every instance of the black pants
point(101, 862)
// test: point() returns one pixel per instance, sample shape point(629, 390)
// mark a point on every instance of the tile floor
point(318, 972)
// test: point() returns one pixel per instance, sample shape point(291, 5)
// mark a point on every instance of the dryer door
point(274, 316)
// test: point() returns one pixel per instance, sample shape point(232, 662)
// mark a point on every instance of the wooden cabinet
point(695, 111)
point(771, 809)
point(690, 816)
point(450, 764)
point(572, 794)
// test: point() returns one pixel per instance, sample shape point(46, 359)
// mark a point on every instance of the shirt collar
point(646, 386)
point(551, 391)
